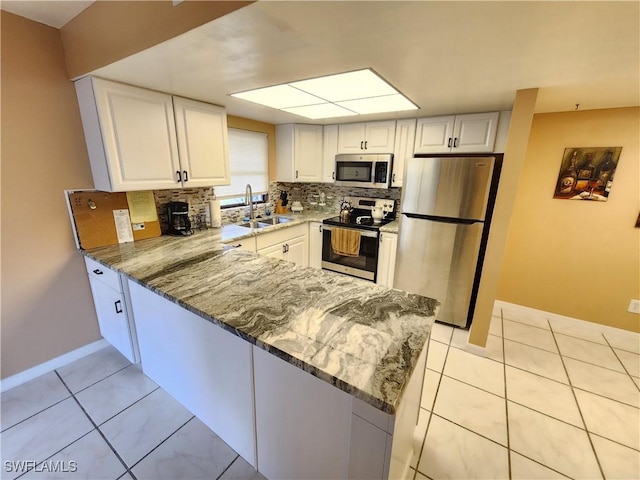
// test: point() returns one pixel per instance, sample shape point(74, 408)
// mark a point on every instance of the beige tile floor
point(548, 401)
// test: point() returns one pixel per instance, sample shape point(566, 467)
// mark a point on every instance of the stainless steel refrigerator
point(444, 223)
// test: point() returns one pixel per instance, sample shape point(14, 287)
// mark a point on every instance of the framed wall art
point(586, 173)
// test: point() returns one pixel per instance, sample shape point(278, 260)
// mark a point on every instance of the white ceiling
point(447, 57)
point(55, 13)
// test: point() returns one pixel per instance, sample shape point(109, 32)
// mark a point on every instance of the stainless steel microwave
point(364, 170)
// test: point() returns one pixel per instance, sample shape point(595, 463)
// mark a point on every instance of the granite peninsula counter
point(364, 339)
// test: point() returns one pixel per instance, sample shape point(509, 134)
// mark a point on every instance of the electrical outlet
point(634, 306)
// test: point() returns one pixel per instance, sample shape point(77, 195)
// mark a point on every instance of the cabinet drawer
point(103, 274)
point(279, 236)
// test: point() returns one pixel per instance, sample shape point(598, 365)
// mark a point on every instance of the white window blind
point(248, 162)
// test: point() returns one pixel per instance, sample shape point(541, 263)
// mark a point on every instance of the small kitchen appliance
point(356, 215)
point(363, 170)
point(179, 223)
point(445, 213)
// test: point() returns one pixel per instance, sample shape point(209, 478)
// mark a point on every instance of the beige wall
point(575, 258)
point(108, 31)
point(514, 157)
point(47, 308)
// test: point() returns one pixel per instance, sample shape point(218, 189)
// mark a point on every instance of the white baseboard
point(46, 367)
point(502, 307)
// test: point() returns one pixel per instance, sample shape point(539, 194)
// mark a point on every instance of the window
point(248, 162)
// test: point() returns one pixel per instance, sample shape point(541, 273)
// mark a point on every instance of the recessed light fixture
point(352, 93)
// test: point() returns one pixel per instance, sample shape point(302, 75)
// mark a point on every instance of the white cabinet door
point(274, 251)
point(207, 369)
point(351, 137)
point(403, 149)
point(315, 245)
point(475, 133)
point(380, 137)
point(372, 137)
point(130, 134)
point(297, 251)
point(308, 153)
point(302, 423)
point(434, 135)
point(112, 317)
point(329, 151)
point(387, 259)
point(202, 143)
point(299, 153)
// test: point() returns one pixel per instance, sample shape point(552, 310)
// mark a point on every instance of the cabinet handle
point(284, 248)
point(365, 144)
point(296, 173)
point(97, 271)
point(393, 179)
point(287, 246)
point(455, 142)
point(118, 305)
point(186, 175)
point(362, 145)
point(449, 143)
point(179, 176)
point(333, 175)
point(320, 228)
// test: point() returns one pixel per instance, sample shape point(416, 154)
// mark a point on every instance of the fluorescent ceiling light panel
point(279, 96)
point(324, 110)
point(340, 95)
point(388, 103)
point(346, 86)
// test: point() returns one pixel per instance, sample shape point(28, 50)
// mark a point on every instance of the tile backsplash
point(199, 198)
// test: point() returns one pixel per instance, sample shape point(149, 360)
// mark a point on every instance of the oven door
point(365, 265)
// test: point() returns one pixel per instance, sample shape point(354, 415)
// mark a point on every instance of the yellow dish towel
point(345, 242)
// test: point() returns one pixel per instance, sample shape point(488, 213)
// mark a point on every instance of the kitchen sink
point(266, 222)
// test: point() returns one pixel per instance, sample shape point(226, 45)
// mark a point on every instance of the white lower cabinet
point(208, 370)
point(291, 244)
point(302, 423)
point(387, 259)
point(315, 245)
point(282, 420)
point(111, 309)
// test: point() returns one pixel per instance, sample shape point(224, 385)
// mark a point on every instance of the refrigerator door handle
point(462, 221)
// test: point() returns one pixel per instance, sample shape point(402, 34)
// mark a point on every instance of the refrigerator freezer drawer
point(438, 260)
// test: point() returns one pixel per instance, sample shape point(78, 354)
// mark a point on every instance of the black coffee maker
point(179, 223)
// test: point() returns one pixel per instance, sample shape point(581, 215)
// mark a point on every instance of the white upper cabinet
point(474, 133)
point(329, 151)
point(405, 139)
point(132, 143)
point(202, 143)
point(372, 137)
point(299, 153)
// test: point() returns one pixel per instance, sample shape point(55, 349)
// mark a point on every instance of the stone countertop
point(391, 227)
point(360, 337)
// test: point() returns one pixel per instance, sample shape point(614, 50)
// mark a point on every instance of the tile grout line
point(575, 398)
point(33, 415)
point(53, 454)
point(129, 406)
point(621, 363)
point(94, 383)
point(506, 399)
point(228, 467)
point(157, 446)
point(127, 469)
point(435, 398)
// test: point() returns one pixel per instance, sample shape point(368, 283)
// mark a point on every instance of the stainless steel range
point(350, 242)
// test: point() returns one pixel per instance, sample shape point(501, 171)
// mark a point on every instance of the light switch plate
point(634, 306)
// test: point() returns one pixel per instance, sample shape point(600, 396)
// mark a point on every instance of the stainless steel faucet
point(248, 200)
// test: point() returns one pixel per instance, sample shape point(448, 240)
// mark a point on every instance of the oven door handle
point(364, 233)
